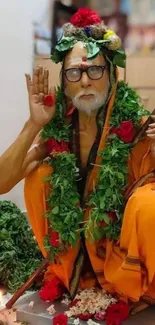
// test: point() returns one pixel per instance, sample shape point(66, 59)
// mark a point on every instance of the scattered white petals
point(51, 310)
point(66, 301)
point(91, 301)
point(91, 322)
point(76, 321)
point(31, 304)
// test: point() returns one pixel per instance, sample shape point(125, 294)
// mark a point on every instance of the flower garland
point(107, 201)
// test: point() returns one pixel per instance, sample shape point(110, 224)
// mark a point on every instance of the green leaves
point(19, 253)
point(119, 58)
point(62, 47)
point(56, 128)
point(127, 106)
point(94, 47)
point(55, 210)
point(64, 214)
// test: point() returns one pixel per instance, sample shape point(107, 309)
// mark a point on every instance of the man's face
point(88, 90)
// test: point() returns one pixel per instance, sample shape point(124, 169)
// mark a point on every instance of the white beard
point(90, 105)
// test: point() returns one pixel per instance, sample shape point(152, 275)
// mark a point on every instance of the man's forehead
point(79, 55)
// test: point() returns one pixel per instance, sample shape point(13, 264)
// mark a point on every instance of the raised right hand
point(38, 88)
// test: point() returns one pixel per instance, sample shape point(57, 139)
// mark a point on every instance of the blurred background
point(29, 29)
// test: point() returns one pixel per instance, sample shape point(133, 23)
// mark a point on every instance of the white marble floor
point(22, 313)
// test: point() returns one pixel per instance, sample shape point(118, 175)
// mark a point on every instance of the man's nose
point(85, 80)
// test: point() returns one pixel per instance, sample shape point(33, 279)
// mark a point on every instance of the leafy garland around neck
point(65, 216)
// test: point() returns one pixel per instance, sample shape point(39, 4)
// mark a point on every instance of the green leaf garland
point(65, 215)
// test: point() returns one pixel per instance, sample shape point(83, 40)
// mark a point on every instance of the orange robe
point(126, 267)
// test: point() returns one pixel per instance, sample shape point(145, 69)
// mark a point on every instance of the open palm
point(38, 88)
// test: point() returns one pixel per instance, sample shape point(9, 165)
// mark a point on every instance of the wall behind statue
point(16, 36)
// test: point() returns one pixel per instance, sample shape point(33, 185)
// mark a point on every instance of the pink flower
point(100, 316)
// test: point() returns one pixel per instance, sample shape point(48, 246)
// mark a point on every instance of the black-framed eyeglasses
point(94, 72)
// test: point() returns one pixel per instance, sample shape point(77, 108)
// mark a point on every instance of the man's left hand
point(151, 130)
point(151, 134)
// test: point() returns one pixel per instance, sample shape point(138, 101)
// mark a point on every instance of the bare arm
point(17, 162)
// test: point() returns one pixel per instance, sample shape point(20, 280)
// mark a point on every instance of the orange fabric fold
point(128, 267)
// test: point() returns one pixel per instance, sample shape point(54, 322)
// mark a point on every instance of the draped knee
point(36, 190)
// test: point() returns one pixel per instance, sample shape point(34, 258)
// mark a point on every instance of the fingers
point(36, 80)
point(151, 131)
point(39, 81)
point(46, 79)
point(29, 84)
point(28, 81)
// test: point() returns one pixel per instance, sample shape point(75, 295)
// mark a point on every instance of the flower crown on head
point(86, 26)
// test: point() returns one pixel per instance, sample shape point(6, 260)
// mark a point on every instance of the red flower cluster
point(52, 290)
point(54, 239)
point(74, 302)
point(49, 100)
point(85, 17)
point(112, 216)
point(60, 319)
point(125, 132)
point(85, 316)
point(117, 313)
point(53, 145)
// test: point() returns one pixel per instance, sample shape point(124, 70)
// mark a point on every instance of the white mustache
point(85, 93)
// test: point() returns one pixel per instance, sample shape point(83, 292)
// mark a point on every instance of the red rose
point(112, 216)
point(51, 290)
point(60, 319)
point(125, 132)
point(117, 313)
point(49, 293)
point(85, 316)
point(54, 239)
point(44, 294)
point(53, 145)
point(85, 17)
point(49, 100)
